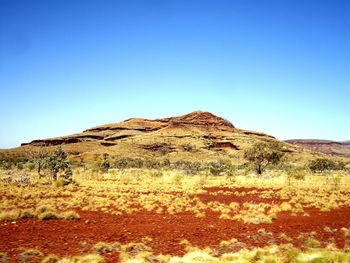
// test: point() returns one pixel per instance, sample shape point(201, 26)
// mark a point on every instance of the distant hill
point(324, 146)
point(195, 136)
point(346, 144)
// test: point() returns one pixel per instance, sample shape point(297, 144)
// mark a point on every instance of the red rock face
point(198, 118)
point(324, 146)
point(134, 126)
point(197, 132)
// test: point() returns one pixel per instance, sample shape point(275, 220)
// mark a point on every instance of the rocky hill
point(194, 136)
point(324, 146)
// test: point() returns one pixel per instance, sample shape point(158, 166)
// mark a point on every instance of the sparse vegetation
point(214, 191)
point(323, 164)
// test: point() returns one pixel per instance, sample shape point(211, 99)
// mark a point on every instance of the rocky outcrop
point(52, 142)
point(225, 145)
point(137, 126)
point(198, 118)
point(199, 135)
point(324, 146)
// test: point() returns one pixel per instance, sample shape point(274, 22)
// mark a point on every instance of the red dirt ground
point(76, 237)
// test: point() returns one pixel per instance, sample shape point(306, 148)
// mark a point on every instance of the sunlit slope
point(195, 136)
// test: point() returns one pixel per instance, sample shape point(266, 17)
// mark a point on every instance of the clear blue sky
point(280, 67)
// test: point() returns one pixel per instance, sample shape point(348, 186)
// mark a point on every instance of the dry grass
point(172, 192)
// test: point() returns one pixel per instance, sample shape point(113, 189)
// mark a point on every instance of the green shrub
point(29, 166)
point(323, 164)
point(19, 166)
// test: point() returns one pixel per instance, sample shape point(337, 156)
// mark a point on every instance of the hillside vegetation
point(197, 136)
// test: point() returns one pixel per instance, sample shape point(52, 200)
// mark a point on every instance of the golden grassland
point(140, 253)
point(128, 191)
point(132, 190)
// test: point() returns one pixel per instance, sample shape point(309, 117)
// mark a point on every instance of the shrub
point(92, 258)
point(294, 172)
point(312, 243)
point(49, 215)
point(323, 164)
point(10, 215)
point(103, 248)
point(70, 215)
point(29, 166)
point(43, 209)
point(50, 259)
point(27, 213)
point(105, 165)
point(221, 167)
point(63, 182)
point(29, 254)
point(19, 165)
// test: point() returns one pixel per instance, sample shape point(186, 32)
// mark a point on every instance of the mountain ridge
point(194, 136)
point(324, 146)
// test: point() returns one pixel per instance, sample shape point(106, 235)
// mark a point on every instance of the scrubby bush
point(91, 258)
point(30, 166)
point(63, 182)
point(50, 259)
point(5, 165)
point(103, 248)
point(70, 215)
point(9, 215)
point(127, 162)
point(295, 172)
point(105, 164)
point(323, 164)
point(44, 208)
point(221, 167)
point(49, 215)
point(188, 167)
point(19, 165)
point(30, 254)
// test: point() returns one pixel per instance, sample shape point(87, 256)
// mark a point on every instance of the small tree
point(57, 162)
point(38, 158)
point(263, 154)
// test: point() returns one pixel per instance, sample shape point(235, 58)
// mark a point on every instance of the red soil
point(76, 237)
